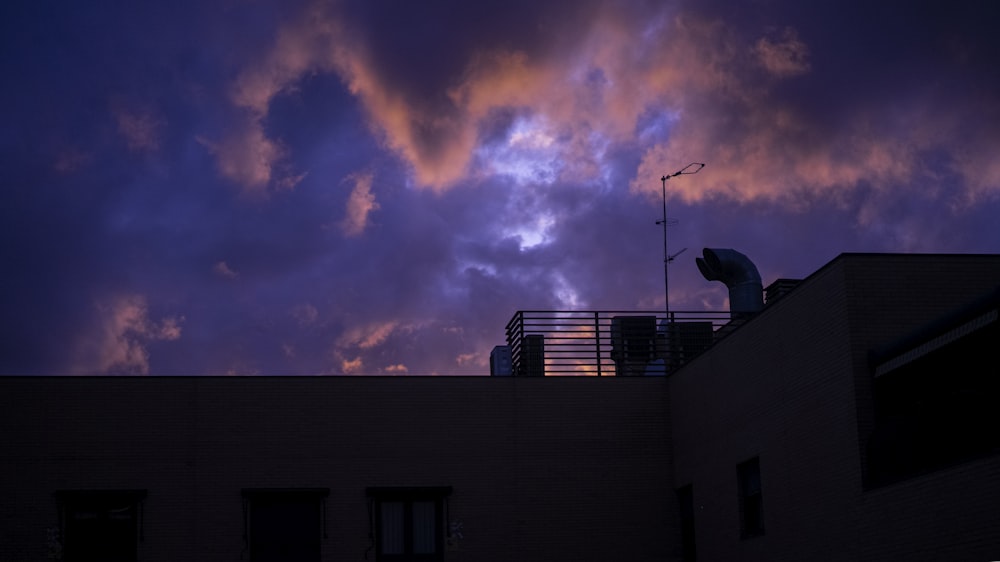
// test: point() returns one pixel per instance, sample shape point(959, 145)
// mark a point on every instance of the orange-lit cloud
point(301, 47)
point(118, 346)
point(439, 140)
point(586, 96)
point(761, 146)
point(437, 146)
point(247, 157)
point(360, 204)
point(472, 359)
point(352, 366)
point(783, 56)
point(359, 342)
point(765, 148)
point(367, 336)
point(589, 90)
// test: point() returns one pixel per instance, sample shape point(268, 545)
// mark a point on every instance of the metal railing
point(610, 342)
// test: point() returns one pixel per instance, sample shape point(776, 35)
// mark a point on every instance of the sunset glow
point(349, 187)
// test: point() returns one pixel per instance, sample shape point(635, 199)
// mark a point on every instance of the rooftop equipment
point(746, 292)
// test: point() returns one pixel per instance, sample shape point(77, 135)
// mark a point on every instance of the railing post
point(597, 340)
point(520, 342)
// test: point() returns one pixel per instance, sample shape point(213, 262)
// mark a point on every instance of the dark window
point(408, 523)
point(685, 498)
point(101, 525)
point(284, 525)
point(934, 408)
point(751, 498)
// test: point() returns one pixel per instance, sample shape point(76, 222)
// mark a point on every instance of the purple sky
point(375, 187)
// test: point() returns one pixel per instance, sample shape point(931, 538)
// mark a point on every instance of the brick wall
point(541, 469)
point(792, 386)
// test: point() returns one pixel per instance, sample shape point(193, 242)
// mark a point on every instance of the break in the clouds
point(348, 187)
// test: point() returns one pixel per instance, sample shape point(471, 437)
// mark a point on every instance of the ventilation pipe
point(746, 293)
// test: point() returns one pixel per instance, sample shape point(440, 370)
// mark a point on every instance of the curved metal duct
point(746, 292)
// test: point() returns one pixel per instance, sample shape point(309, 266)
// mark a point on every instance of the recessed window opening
point(751, 498)
point(685, 500)
point(101, 525)
point(284, 525)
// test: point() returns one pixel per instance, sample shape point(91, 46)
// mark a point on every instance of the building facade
point(851, 419)
point(335, 468)
point(776, 426)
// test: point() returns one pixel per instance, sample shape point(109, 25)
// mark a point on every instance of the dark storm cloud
point(376, 187)
point(422, 49)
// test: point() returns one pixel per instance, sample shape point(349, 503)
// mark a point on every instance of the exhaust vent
point(746, 293)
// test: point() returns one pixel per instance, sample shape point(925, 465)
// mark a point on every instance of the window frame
point(101, 501)
point(377, 496)
point(252, 495)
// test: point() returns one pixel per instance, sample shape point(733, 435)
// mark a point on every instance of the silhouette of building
point(849, 419)
point(782, 428)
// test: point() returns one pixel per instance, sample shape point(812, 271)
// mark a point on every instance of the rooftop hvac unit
point(633, 344)
point(683, 341)
point(500, 361)
point(531, 359)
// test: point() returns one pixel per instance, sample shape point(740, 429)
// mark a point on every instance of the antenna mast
point(692, 168)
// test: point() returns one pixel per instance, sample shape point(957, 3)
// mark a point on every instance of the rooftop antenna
point(672, 256)
point(692, 168)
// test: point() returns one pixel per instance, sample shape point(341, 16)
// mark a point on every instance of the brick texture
point(541, 469)
point(793, 386)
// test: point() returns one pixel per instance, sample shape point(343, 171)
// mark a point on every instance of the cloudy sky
point(375, 187)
